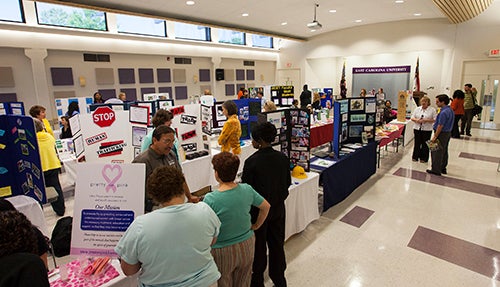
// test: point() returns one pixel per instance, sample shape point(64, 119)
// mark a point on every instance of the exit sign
point(495, 53)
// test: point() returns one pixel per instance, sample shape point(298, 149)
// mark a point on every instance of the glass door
point(488, 99)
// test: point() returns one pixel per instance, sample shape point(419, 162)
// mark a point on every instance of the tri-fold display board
point(354, 121)
point(20, 167)
point(282, 95)
point(293, 138)
point(12, 108)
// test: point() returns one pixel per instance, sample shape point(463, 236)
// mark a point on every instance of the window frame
point(106, 28)
point(21, 11)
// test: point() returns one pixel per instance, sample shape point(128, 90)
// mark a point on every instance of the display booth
point(354, 122)
point(248, 109)
point(12, 108)
point(293, 138)
point(20, 166)
point(63, 103)
point(282, 96)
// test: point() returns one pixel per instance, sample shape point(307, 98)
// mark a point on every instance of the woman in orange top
point(231, 132)
point(457, 105)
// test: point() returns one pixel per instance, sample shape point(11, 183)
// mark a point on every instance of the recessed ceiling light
point(313, 30)
point(358, 21)
point(244, 14)
point(283, 23)
point(399, 1)
point(333, 11)
point(417, 14)
point(189, 3)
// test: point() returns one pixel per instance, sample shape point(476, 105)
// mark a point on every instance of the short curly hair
point(226, 165)
point(264, 131)
point(230, 107)
point(16, 234)
point(36, 110)
point(165, 183)
point(161, 117)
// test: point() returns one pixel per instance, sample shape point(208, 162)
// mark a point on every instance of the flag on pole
point(416, 80)
point(343, 88)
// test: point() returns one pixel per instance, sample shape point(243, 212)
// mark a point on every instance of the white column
point(41, 96)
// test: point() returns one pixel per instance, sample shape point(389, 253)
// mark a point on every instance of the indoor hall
point(404, 227)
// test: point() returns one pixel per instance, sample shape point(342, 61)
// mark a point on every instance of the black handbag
point(477, 109)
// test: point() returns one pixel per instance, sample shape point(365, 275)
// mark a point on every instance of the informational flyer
point(108, 197)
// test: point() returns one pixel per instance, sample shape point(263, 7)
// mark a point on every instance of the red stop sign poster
point(103, 116)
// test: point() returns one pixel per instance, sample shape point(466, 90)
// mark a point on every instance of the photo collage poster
point(20, 166)
point(293, 138)
point(354, 121)
point(187, 124)
point(218, 117)
point(206, 119)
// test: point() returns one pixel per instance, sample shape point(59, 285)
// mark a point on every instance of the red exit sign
point(494, 53)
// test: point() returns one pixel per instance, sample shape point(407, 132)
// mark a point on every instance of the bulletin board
point(20, 167)
point(282, 96)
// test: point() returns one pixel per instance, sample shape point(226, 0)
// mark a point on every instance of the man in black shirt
point(268, 172)
point(305, 97)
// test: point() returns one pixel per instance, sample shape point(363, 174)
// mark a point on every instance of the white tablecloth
point(301, 204)
point(32, 209)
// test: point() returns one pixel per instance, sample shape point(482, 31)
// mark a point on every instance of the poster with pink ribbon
point(108, 197)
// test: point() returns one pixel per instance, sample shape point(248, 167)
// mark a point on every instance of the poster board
point(155, 96)
point(115, 143)
point(293, 138)
point(12, 108)
point(187, 123)
point(63, 103)
point(20, 167)
point(402, 106)
point(248, 110)
point(282, 96)
point(354, 122)
point(108, 197)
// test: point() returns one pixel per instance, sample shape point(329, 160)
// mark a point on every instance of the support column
point(41, 96)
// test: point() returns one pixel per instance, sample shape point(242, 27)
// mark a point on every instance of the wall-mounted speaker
point(219, 74)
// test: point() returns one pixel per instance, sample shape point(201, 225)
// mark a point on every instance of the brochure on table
point(293, 139)
point(354, 122)
point(20, 167)
point(12, 108)
point(63, 103)
point(187, 123)
point(108, 197)
point(282, 96)
point(109, 136)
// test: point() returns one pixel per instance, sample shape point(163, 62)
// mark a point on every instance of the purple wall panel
point(250, 75)
point(62, 76)
point(126, 76)
point(181, 93)
point(230, 90)
point(240, 75)
point(146, 76)
point(108, 94)
point(8, 97)
point(147, 91)
point(131, 94)
point(204, 75)
point(166, 90)
point(163, 75)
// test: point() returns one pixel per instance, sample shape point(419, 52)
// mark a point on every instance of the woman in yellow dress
point(229, 138)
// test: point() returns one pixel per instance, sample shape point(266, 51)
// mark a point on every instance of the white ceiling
point(267, 16)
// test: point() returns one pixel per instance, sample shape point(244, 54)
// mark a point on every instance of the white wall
point(442, 48)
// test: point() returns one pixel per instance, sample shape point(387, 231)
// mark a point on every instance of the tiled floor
point(424, 231)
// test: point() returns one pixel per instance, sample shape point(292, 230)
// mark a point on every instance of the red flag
point(416, 80)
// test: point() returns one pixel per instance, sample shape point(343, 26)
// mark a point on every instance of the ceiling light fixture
point(244, 14)
point(399, 1)
point(417, 14)
point(189, 3)
point(358, 21)
point(314, 25)
point(333, 11)
point(283, 23)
